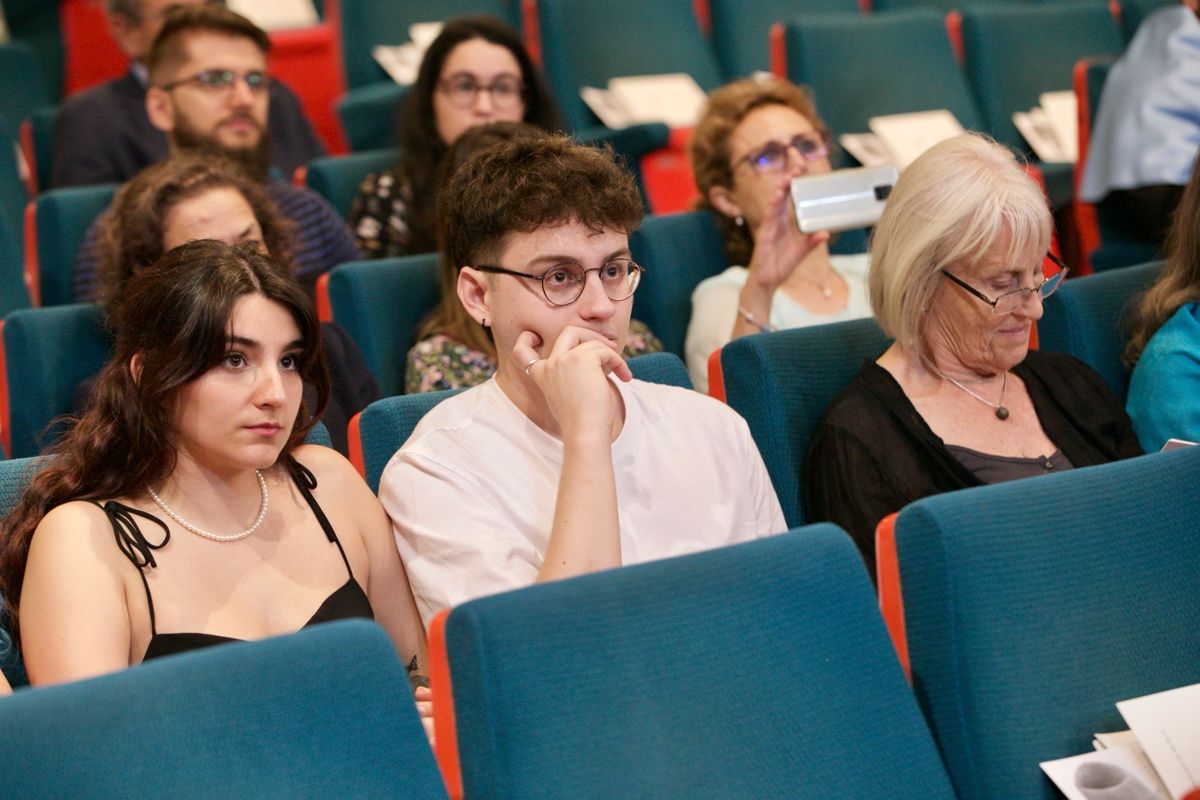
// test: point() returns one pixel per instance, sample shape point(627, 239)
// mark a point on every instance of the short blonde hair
point(948, 209)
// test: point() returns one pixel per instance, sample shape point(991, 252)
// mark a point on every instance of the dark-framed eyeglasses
point(773, 156)
point(563, 283)
point(462, 90)
point(222, 80)
point(1011, 301)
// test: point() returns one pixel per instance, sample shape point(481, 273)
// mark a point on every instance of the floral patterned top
point(379, 215)
point(442, 362)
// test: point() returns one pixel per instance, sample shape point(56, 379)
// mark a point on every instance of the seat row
point(48, 351)
point(759, 670)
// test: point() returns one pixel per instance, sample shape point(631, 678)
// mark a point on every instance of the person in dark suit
point(209, 94)
point(104, 135)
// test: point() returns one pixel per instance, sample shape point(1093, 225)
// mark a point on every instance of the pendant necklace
point(1001, 410)
point(826, 291)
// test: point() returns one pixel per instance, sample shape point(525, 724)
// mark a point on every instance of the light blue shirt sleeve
point(1147, 126)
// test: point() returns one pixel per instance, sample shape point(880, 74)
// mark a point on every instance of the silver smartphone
point(842, 200)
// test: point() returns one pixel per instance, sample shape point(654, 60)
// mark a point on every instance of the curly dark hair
point(131, 231)
point(531, 183)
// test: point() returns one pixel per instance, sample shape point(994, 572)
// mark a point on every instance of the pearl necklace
point(1001, 409)
point(216, 537)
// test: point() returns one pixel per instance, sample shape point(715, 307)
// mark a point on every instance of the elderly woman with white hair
point(958, 399)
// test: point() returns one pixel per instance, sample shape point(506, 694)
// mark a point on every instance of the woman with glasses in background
point(476, 71)
point(752, 140)
point(959, 399)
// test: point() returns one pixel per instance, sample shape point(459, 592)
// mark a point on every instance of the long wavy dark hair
point(1179, 282)
point(172, 317)
point(422, 149)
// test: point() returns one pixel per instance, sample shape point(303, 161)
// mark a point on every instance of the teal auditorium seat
point(14, 475)
point(741, 29)
point(325, 712)
point(1014, 53)
point(759, 670)
point(1033, 606)
point(370, 116)
point(1089, 318)
point(367, 23)
point(61, 218)
point(782, 383)
point(386, 424)
point(13, 198)
point(863, 67)
point(41, 143)
point(13, 294)
point(336, 178)
point(21, 89)
point(380, 303)
point(585, 43)
point(678, 251)
point(47, 352)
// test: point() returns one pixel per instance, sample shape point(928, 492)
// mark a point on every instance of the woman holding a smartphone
point(753, 139)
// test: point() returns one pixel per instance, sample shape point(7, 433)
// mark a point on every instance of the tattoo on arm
point(415, 679)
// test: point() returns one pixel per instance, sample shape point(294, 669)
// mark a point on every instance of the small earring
point(739, 220)
point(483, 322)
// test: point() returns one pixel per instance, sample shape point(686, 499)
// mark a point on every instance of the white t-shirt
point(472, 493)
point(715, 308)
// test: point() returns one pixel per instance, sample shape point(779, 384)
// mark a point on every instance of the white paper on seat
point(674, 99)
point(402, 61)
point(1116, 768)
point(907, 136)
point(277, 15)
point(1167, 725)
point(1062, 111)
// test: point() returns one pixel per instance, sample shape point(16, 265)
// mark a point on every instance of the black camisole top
point(348, 601)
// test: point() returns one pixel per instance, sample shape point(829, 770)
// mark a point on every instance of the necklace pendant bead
point(1001, 413)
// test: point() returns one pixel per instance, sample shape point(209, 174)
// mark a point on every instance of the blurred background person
point(476, 71)
point(754, 137)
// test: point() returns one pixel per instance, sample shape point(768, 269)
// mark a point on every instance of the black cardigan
point(873, 453)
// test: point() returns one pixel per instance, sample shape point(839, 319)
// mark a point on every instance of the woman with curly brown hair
point(754, 137)
point(1164, 344)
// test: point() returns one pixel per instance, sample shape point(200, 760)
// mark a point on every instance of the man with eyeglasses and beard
point(103, 134)
point(210, 92)
point(561, 464)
